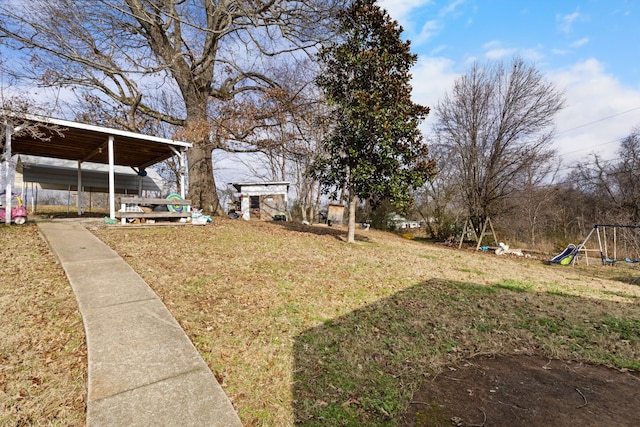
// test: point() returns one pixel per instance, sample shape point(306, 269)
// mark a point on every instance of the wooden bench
point(132, 208)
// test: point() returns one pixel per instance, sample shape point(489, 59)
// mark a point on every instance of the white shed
point(263, 201)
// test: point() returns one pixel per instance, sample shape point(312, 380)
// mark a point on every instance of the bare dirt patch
point(526, 390)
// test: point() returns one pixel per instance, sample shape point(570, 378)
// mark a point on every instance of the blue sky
point(589, 49)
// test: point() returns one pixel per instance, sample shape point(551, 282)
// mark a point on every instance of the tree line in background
point(549, 204)
point(304, 90)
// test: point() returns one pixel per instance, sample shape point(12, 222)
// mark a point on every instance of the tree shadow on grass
point(363, 368)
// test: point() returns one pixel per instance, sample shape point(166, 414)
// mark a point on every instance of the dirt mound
point(524, 390)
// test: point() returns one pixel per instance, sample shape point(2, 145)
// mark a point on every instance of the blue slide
point(565, 257)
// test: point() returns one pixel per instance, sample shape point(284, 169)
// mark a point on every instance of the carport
point(34, 173)
point(86, 143)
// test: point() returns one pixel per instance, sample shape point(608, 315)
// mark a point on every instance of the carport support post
point(80, 198)
point(7, 173)
point(182, 169)
point(112, 181)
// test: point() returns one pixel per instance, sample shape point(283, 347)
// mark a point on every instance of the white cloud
point(451, 7)
point(428, 30)
point(492, 44)
point(470, 60)
point(401, 9)
point(585, 124)
point(593, 96)
point(495, 50)
point(403, 12)
point(581, 42)
point(499, 53)
point(432, 77)
point(436, 50)
point(565, 22)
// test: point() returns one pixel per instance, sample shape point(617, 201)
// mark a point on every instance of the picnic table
point(150, 209)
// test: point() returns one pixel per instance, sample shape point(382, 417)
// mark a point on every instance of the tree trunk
point(202, 186)
point(351, 232)
point(315, 211)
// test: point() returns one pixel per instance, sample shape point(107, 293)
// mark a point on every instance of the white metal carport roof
point(61, 174)
point(86, 143)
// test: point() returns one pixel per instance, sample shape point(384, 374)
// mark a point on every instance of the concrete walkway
point(143, 369)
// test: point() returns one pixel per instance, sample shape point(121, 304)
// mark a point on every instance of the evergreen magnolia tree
point(375, 150)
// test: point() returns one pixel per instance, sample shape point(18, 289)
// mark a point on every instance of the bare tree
point(292, 142)
point(626, 177)
point(614, 185)
point(496, 124)
point(439, 201)
point(189, 64)
point(526, 213)
point(537, 190)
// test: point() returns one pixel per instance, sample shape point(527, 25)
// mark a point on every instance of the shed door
point(254, 205)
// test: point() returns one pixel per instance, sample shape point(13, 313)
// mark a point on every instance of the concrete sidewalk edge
point(142, 368)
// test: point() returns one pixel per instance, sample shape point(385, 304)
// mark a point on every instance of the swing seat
point(610, 261)
point(631, 260)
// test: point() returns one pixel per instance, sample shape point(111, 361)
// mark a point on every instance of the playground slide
point(565, 257)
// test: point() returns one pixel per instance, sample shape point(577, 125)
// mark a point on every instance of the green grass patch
point(472, 271)
point(514, 285)
point(627, 329)
point(624, 295)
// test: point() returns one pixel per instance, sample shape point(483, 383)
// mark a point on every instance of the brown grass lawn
point(42, 347)
point(300, 327)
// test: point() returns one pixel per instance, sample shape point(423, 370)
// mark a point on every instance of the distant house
point(399, 222)
point(262, 201)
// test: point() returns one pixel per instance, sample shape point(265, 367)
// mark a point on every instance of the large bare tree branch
point(132, 54)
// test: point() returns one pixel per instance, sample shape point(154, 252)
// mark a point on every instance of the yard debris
point(197, 217)
point(584, 398)
point(504, 250)
point(110, 221)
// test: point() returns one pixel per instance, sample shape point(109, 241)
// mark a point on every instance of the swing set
point(469, 230)
point(610, 238)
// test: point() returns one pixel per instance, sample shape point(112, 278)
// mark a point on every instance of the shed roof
point(238, 185)
point(88, 143)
